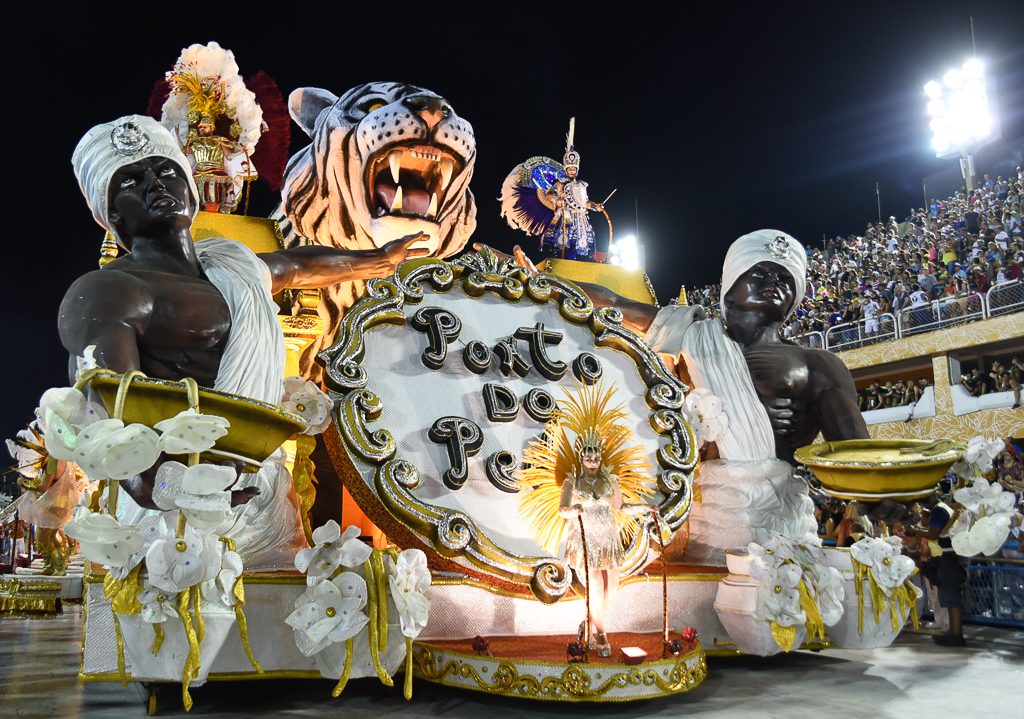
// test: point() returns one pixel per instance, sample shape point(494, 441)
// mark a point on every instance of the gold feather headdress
point(551, 457)
point(205, 94)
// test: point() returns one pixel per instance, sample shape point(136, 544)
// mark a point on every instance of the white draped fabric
point(267, 529)
point(253, 361)
point(748, 492)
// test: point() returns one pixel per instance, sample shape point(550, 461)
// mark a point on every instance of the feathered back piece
point(549, 459)
point(521, 203)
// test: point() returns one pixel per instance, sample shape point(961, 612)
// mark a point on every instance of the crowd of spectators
point(1000, 378)
point(880, 395)
point(955, 248)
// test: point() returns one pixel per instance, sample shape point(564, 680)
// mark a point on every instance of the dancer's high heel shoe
point(582, 631)
point(604, 647)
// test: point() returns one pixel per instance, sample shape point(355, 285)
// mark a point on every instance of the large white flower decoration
point(157, 605)
point(985, 536)
point(988, 510)
point(775, 550)
point(984, 498)
point(331, 550)
point(329, 612)
point(107, 449)
point(103, 539)
point(67, 403)
point(705, 412)
point(150, 529)
point(191, 431)
point(409, 578)
point(829, 591)
point(308, 401)
point(177, 563)
point(222, 587)
point(778, 599)
point(62, 413)
point(980, 452)
point(201, 491)
point(885, 560)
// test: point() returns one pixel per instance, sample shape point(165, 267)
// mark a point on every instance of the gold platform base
point(509, 674)
point(22, 597)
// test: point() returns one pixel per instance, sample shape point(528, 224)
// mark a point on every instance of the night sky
point(714, 121)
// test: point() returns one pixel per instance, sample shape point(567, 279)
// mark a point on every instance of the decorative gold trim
point(359, 407)
point(453, 534)
point(450, 533)
point(576, 683)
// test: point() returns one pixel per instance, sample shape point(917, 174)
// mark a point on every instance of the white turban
point(107, 148)
point(766, 246)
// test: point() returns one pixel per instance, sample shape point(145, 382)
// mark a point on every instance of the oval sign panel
point(444, 373)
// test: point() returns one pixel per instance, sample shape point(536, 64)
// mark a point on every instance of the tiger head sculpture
point(387, 159)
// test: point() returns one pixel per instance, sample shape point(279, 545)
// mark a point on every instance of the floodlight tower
point(963, 115)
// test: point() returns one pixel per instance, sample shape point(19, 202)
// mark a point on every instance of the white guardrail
point(861, 333)
point(1001, 299)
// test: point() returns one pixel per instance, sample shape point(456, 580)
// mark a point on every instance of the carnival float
point(570, 494)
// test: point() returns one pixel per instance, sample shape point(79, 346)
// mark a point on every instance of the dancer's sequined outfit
point(604, 551)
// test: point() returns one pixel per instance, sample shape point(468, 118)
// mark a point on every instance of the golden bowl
point(256, 428)
point(875, 469)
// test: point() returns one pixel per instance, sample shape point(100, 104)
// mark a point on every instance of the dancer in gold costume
point(589, 491)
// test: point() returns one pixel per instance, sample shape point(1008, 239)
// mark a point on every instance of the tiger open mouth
point(410, 180)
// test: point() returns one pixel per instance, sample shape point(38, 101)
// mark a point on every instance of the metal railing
point(995, 592)
point(941, 313)
point(811, 340)
point(1001, 299)
point(1004, 298)
point(861, 333)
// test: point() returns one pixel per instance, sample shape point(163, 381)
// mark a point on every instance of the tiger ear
point(305, 105)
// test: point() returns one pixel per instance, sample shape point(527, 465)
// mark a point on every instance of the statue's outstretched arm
point(314, 266)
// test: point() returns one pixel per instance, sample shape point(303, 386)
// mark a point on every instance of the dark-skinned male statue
point(173, 308)
point(777, 395)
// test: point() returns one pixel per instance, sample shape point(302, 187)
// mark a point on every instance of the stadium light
point(625, 253)
point(962, 117)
